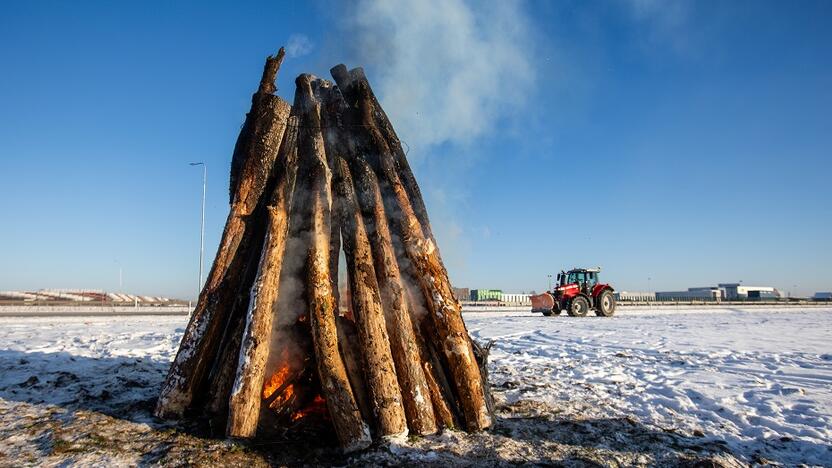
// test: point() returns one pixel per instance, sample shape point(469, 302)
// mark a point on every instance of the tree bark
point(402, 166)
point(254, 156)
point(421, 251)
point(382, 383)
point(245, 400)
point(444, 402)
point(352, 431)
point(406, 353)
point(349, 344)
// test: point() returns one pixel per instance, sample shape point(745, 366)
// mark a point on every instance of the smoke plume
point(446, 71)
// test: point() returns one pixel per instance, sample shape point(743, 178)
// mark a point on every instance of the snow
point(635, 389)
point(758, 379)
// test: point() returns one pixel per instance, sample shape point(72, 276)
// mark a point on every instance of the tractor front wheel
point(578, 307)
point(605, 304)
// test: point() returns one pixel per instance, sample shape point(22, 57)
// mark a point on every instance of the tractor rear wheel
point(578, 307)
point(605, 304)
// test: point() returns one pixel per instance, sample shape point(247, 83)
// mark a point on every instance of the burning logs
point(267, 336)
point(251, 166)
point(251, 367)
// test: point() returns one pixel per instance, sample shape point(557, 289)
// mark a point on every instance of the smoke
point(298, 45)
point(446, 71)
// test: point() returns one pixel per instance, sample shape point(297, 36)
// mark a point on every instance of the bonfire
point(267, 346)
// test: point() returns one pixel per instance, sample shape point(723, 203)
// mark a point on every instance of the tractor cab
point(585, 278)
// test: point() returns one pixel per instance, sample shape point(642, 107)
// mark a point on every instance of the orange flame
point(283, 397)
point(275, 381)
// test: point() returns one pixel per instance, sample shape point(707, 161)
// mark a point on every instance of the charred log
point(255, 153)
point(244, 405)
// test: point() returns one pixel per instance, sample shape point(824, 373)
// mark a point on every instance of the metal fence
point(683, 300)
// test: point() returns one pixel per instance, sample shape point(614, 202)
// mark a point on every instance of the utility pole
point(202, 224)
point(550, 282)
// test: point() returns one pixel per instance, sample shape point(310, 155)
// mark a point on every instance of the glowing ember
point(317, 406)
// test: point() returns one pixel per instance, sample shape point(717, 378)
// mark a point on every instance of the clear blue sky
point(687, 142)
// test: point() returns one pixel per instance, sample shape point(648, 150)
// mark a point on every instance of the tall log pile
point(267, 344)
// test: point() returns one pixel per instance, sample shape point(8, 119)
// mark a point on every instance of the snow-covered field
point(646, 387)
point(758, 379)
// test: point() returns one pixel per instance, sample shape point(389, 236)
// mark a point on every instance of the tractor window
point(577, 277)
point(593, 279)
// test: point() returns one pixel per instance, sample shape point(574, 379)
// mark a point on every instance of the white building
point(739, 291)
point(519, 299)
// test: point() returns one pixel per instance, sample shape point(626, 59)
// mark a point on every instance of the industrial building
point(721, 292)
point(462, 294)
point(486, 295)
point(739, 291)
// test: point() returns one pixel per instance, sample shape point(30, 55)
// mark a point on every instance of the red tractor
point(577, 291)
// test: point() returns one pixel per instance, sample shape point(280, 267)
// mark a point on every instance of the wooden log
point(440, 402)
point(254, 156)
point(329, 123)
point(481, 354)
point(349, 344)
point(403, 169)
point(382, 382)
point(243, 173)
point(442, 396)
point(221, 378)
point(406, 353)
point(348, 341)
point(353, 433)
point(245, 399)
point(445, 310)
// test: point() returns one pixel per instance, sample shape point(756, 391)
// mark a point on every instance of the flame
point(316, 406)
point(284, 396)
point(275, 381)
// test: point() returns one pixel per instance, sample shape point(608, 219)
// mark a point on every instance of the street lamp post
point(550, 282)
point(202, 223)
